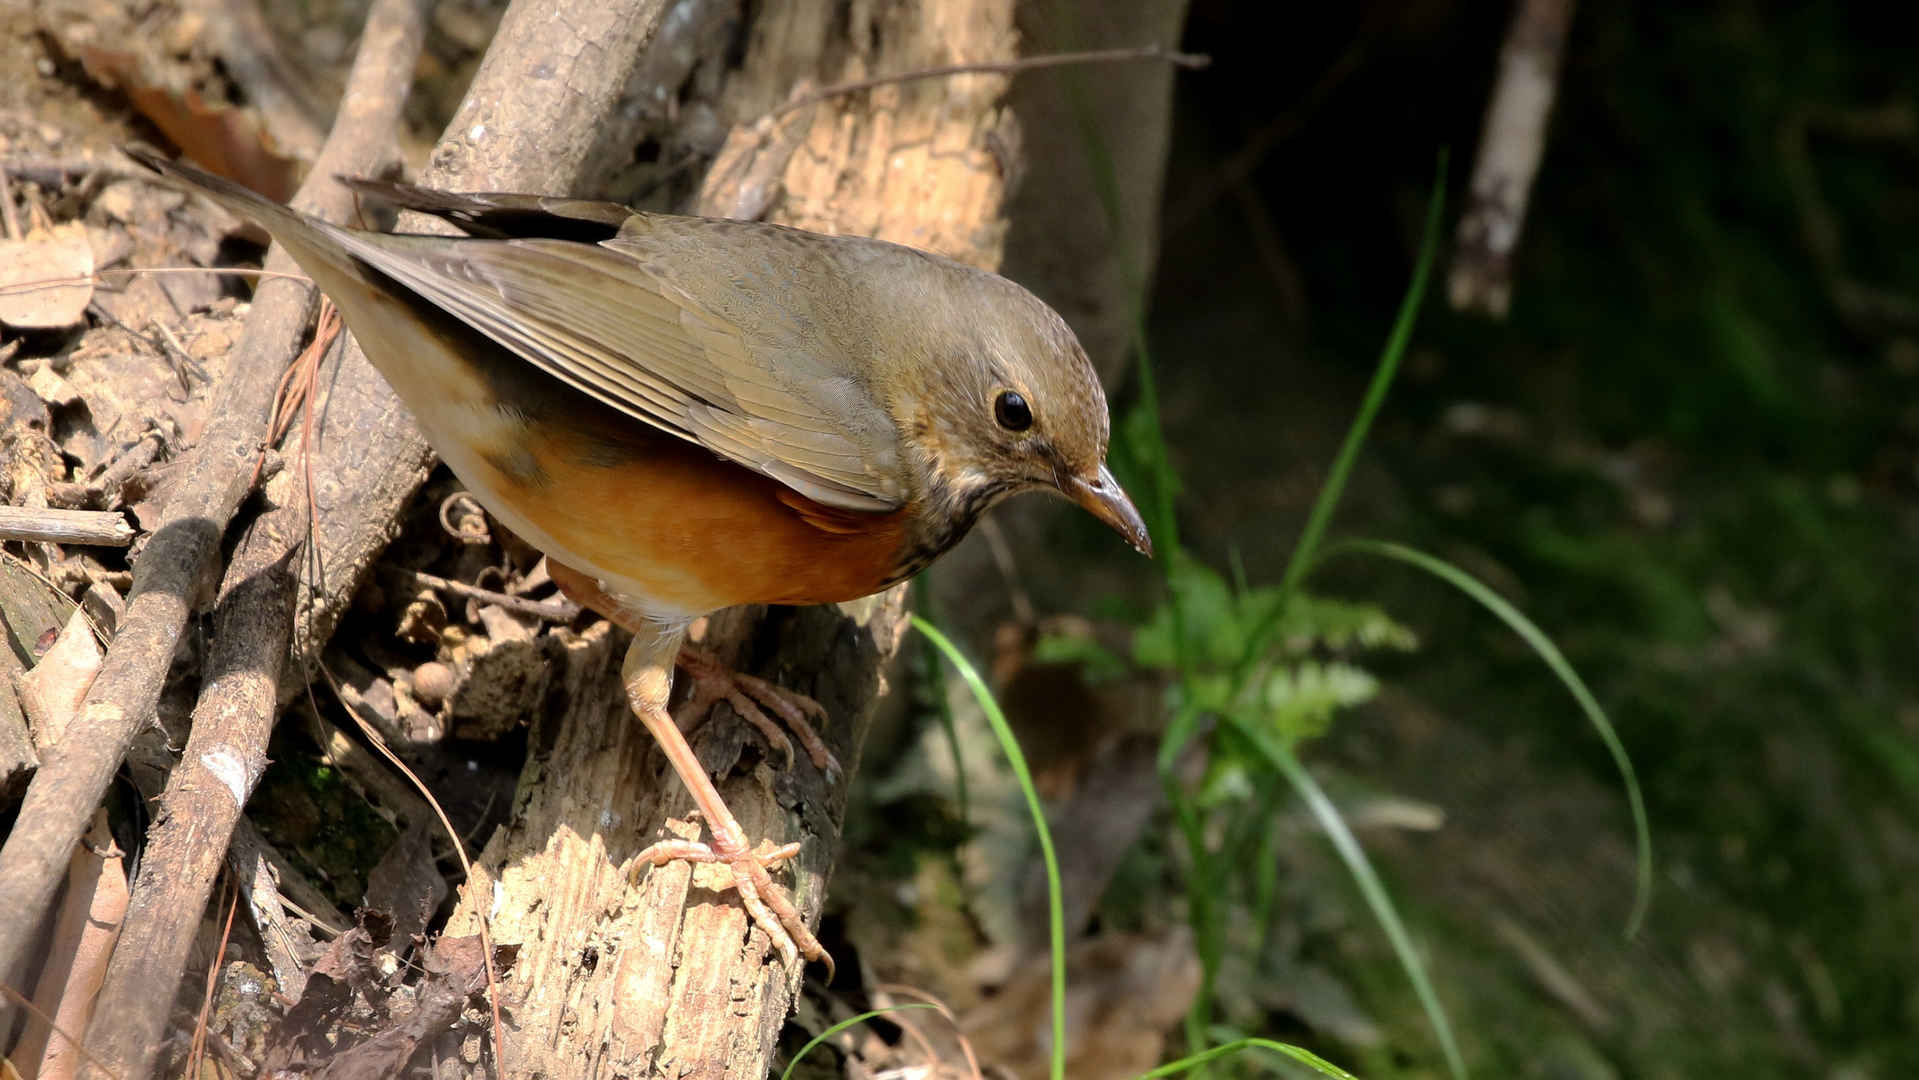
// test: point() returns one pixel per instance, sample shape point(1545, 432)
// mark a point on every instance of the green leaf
point(1341, 624)
point(1202, 608)
point(1300, 699)
point(1227, 780)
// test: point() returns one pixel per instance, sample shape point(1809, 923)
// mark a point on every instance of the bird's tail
point(310, 241)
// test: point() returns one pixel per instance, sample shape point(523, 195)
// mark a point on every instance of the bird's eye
point(1012, 412)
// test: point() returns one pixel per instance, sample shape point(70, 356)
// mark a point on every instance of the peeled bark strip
point(82, 940)
point(667, 979)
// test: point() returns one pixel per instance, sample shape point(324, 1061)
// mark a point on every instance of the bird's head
point(1013, 404)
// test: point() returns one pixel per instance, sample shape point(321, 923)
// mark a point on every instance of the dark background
point(1686, 453)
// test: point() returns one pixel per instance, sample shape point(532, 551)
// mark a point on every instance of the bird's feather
point(599, 320)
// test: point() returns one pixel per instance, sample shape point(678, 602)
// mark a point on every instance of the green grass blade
point(787, 1073)
point(1055, 909)
point(1370, 887)
point(1335, 486)
point(1554, 659)
point(1304, 1057)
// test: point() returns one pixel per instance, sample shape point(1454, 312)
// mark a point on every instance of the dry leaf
point(226, 139)
point(51, 693)
point(84, 933)
point(60, 254)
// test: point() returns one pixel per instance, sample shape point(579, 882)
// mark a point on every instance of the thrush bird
point(686, 414)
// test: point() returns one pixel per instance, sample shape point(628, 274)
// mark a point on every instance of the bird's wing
point(498, 215)
point(609, 327)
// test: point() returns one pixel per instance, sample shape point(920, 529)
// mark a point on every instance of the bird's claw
point(765, 902)
point(751, 697)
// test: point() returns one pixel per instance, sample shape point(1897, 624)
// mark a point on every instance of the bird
point(686, 414)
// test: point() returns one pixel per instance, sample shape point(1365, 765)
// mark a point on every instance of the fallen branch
point(101, 528)
point(76, 771)
point(225, 754)
point(559, 609)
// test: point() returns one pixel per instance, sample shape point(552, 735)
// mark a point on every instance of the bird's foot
point(766, 903)
point(752, 697)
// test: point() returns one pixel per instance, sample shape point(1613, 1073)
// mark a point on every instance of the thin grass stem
point(1561, 667)
point(1055, 906)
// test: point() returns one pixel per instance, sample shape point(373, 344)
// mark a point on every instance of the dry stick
point(98, 277)
point(226, 750)
point(561, 610)
point(1509, 156)
point(1191, 61)
point(77, 771)
point(100, 528)
point(224, 757)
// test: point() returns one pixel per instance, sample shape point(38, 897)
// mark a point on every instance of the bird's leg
point(714, 681)
point(648, 676)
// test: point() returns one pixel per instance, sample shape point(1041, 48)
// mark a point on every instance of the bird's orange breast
point(687, 530)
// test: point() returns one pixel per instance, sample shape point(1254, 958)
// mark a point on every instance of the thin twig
point(52, 172)
point(1190, 61)
point(553, 610)
point(1023, 609)
point(199, 1049)
point(959, 1033)
point(95, 278)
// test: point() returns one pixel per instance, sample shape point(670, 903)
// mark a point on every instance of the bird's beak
point(1102, 497)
